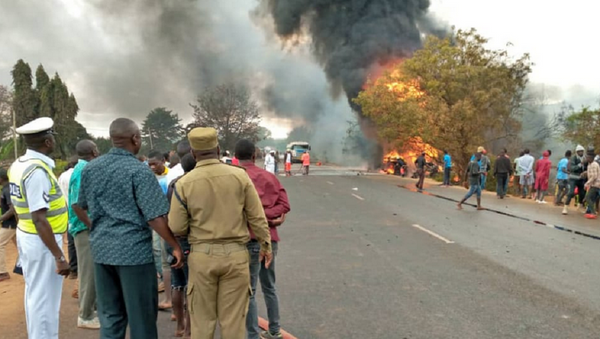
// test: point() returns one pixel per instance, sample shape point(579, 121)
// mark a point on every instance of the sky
point(115, 68)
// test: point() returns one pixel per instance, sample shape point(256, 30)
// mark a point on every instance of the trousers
point(43, 286)
point(127, 294)
point(592, 195)
point(6, 235)
point(266, 276)
point(501, 184)
point(218, 290)
point(87, 285)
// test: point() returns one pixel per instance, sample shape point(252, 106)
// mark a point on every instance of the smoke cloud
point(123, 58)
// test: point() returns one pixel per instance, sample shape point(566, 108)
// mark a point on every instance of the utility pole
point(15, 145)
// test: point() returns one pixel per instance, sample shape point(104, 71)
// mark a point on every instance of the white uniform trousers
point(43, 286)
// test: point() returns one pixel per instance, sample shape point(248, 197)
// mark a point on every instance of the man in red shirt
point(305, 163)
point(275, 203)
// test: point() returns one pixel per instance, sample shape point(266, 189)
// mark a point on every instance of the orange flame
point(411, 150)
point(405, 90)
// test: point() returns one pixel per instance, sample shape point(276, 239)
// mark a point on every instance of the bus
point(298, 148)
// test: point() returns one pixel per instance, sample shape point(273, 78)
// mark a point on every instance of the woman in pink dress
point(542, 177)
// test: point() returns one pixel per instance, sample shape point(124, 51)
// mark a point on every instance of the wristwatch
point(61, 259)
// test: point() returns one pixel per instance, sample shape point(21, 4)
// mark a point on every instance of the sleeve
point(178, 214)
point(148, 195)
point(74, 185)
point(81, 197)
point(37, 188)
point(256, 216)
point(6, 195)
point(282, 205)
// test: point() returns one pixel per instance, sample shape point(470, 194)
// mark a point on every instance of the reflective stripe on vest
point(57, 214)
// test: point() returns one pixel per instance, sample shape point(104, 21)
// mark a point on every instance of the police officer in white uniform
point(41, 207)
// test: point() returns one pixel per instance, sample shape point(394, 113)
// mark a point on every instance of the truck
point(298, 148)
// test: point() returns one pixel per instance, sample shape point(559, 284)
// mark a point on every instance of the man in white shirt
point(176, 171)
point(270, 162)
point(526, 166)
point(63, 183)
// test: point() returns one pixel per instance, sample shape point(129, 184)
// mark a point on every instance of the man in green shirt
point(79, 228)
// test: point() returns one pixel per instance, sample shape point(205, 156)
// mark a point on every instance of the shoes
point(93, 324)
point(4, 276)
point(591, 216)
point(537, 201)
point(543, 202)
point(267, 335)
point(565, 211)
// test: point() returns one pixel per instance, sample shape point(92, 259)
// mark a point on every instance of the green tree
point(25, 100)
point(229, 109)
point(161, 129)
point(5, 115)
point(583, 127)
point(104, 144)
point(454, 94)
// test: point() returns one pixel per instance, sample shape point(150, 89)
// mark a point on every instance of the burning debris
point(402, 161)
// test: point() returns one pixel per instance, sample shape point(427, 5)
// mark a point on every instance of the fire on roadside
point(409, 153)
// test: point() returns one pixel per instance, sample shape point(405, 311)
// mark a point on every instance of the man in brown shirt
point(215, 203)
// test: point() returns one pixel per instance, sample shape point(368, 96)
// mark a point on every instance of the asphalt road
point(352, 264)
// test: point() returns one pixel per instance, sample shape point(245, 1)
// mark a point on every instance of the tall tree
point(25, 100)
point(454, 94)
point(583, 127)
point(161, 129)
point(5, 113)
point(229, 109)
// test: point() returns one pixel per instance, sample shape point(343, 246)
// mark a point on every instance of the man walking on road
point(447, 169)
point(79, 228)
point(305, 162)
point(420, 163)
point(276, 205)
point(562, 178)
point(502, 172)
point(42, 210)
point(576, 169)
point(125, 203)
point(8, 222)
point(214, 204)
point(473, 176)
point(518, 174)
point(592, 185)
point(526, 166)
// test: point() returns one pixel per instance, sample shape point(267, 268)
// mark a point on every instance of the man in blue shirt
point(562, 178)
point(447, 169)
point(125, 203)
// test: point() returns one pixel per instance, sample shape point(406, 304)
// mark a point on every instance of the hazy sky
point(96, 56)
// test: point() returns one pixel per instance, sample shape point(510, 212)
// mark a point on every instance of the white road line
point(433, 234)
point(358, 197)
point(329, 182)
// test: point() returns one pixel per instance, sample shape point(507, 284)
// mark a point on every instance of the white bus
point(298, 148)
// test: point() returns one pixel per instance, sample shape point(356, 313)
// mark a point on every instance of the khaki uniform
point(221, 202)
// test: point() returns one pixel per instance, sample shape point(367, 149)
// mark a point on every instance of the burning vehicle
point(402, 162)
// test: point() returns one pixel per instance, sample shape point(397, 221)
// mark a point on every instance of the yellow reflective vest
point(57, 214)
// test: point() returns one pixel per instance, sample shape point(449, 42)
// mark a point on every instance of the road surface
point(364, 256)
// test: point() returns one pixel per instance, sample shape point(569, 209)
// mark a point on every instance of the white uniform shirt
point(38, 184)
point(288, 158)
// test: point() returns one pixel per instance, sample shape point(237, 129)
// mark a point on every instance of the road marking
point(329, 182)
point(433, 234)
point(358, 197)
point(264, 324)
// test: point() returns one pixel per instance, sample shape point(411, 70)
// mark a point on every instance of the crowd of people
point(201, 229)
point(577, 176)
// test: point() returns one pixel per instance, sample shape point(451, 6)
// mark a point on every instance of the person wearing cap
point(592, 185)
point(526, 163)
point(270, 162)
point(42, 210)
point(214, 205)
point(421, 163)
point(542, 177)
point(576, 168)
point(125, 203)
